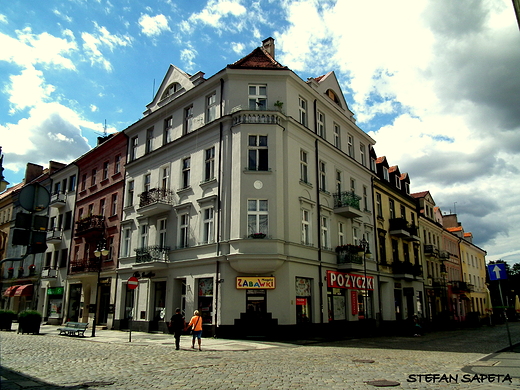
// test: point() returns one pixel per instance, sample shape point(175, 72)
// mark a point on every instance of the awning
point(10, 291)
point(24, 291)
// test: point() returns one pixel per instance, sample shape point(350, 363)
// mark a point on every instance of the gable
point(175, 83)
point(328, 85)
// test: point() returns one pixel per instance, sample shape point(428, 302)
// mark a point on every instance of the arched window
point(170, 90)
point(332, 95)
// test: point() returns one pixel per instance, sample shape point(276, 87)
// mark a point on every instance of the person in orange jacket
point(196, 326)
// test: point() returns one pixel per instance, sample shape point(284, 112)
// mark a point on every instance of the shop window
point(205, 304)
point(303, 301)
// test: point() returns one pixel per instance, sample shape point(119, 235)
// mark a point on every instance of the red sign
point(354, 303)
point(350, 281)
point(133, 282)
point(301, 301)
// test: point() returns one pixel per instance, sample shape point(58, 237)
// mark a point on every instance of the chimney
point(268, 45)
point(32, 171)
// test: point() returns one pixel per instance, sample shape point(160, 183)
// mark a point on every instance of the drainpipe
point(376, 252)
point(320, 268)
point(219, 193)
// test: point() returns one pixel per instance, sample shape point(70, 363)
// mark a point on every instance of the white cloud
point(215, 15)
point(188, 56)
point(3, 19)
point(93, 108)
point(238, 47)
point(153, 25)
point(28, 89)
point(102, 38)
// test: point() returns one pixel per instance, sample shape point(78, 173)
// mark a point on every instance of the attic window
point(332, 95)
point(170, 90)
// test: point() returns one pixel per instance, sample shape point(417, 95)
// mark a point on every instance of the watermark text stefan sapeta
point(464, 378)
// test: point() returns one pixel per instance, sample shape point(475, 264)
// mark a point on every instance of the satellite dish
point(34, 198)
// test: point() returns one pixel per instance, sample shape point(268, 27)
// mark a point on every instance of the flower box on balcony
point(257, 235)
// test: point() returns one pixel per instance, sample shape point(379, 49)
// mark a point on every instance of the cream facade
point(239, 189)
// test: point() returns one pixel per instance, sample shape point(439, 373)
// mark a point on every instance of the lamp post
point(366, 255)
point(98, 253)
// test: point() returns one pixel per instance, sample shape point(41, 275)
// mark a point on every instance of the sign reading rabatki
point(351, 281)
point(248, 282)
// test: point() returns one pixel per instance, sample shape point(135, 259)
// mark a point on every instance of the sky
point(435, 83)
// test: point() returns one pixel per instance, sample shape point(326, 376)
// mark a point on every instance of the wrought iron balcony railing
point(87, 224)
point(406, 267)
point(156, 195)
point(151, 253)
point(85, 265)
point(347, 198)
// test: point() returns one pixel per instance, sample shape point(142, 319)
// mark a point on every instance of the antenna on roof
point(105, 129)
point(153, 89)
point(454, 208)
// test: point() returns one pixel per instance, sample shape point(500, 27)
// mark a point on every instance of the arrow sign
point(497, 271)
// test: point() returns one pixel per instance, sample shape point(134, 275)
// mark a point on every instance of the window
point(57, 187)
point(143, 236)
point(117, 165)
point(102, 207)
point(323, 178)
point(353, 185)
point(321, 124)
point(93, 177)
point(207, 225)
point(90, 209)
point(337, 139)
point(403, 212)
point(149, 140)
point(350, 146)
point(258, 153)
point(302, 108)
point(188, 120)
point(113, 210)
point(341, 234)
point(258, 97)
point(304, 168)
point(373, 164)
point(257, 216)
point(365, 197)
point(211, 107)
point(184, 222)
point(186, 172)
point(167, 130)
point(68, 220)
point(325, 232)
point(165, 178)
point(130, 193)
point(338, 182)
point(386, 176)
point(133, 148)
point(392, 208)
point(127, 235)
point(105, 170)
point(362, 155)
point(209, 164)
point(397, 182)
point(170, 90)
point(306, 226)
point(72, 183)
point(379, 205)
point(147, 181)
point(407, 188)
point(161, 233)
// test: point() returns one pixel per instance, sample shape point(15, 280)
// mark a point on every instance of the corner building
point(241, 192)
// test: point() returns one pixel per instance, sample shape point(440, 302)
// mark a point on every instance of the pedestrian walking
point(177, 325)
point(196, 326)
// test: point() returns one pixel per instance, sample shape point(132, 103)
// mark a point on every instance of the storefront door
point(256, 303)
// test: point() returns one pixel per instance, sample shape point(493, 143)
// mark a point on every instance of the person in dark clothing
point(177, 324)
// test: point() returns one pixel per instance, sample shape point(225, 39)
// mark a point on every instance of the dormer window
point(397, 182)
point(386, 176)
point(332, 95)
point(172, 88)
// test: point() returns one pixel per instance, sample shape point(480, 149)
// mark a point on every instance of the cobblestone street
point(109, 361)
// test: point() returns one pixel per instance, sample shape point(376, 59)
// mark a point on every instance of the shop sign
point(350, 281)
point(255, 282)
point(55, 290)
point(301, 301)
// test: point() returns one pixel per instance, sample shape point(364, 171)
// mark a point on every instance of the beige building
point(243, 193)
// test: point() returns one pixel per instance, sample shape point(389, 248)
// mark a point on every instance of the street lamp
point(366, 255)
point(98, 253)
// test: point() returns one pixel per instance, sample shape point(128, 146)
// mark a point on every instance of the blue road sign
point(497, 271)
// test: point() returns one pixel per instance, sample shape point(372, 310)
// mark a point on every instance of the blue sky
point(435, 83)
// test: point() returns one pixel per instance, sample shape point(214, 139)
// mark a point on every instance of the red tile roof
point(258, 58)
point(419, 194)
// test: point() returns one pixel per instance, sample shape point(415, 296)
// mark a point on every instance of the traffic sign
point(497, 271)
point(132, 283)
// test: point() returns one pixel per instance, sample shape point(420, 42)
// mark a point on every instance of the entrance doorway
point(74, 309)
point(256, 304)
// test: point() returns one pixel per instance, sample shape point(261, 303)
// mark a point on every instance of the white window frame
point(257, 210)
point(341, 233)
point(257, 97)
point(337, 136)
point(323, 176)
point(167, 130)
point(350, 145)
point(188, 119)
point(386, 174)
point(130, 193)
point(184, 230)
point(165, 177)
point(209, 164)
point(306, 227)
point(143, 235)
point(208, 222)
point(257, 150)
point(147, 182)
point(362, 155)
point(325, 238)
point(149, 140)
point(134, 142)
point(162, 231)
point(320, 120)
point(339, 185)
point(302, 110)
point(304, 166)
point(127, 239)
point(185, 174)
point(211, 107)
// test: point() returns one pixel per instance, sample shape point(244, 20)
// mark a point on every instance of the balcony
point(346, 204)
point(89, 225)
point(399, 227)
point(444, 255)
point(84, 265)
point(49, 273)
point(54, 236)
point(431, 251)
point(255, 117)
point(458, 287)
point(155, 201)
point(152, 253)
point(58, 200)
point(406, 269)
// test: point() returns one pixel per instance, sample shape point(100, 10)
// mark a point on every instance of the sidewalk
point(160, 339)
point(500, 363)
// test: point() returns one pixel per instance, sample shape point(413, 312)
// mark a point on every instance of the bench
point(74, 328)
